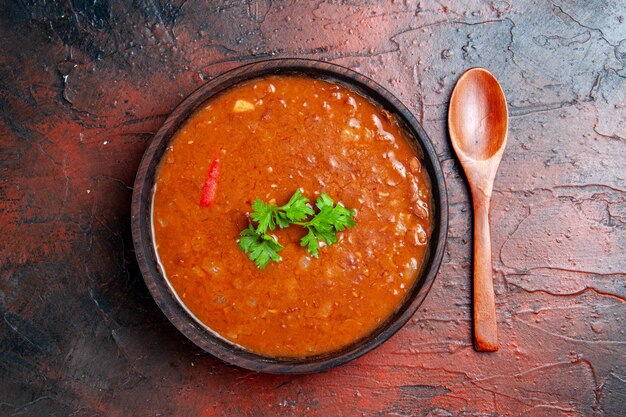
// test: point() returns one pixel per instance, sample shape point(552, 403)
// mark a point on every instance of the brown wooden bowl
point(142, 224)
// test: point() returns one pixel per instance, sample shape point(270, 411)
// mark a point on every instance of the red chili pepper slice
point(209, 188)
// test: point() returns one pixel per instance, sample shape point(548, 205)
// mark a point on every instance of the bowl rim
point(141, 223)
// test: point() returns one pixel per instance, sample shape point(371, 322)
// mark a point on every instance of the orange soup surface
point(272, 136)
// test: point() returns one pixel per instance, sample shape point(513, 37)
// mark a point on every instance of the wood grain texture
point(478, 123)
point(83, 88)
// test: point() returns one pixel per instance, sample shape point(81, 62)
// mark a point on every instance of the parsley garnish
point(325, 225)
point(263, 248)
point(260, 247)
point(269, 215)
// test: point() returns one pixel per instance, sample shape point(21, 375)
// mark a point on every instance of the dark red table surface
point(85, 84)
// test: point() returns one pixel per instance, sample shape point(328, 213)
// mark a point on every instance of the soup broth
point(272, 136)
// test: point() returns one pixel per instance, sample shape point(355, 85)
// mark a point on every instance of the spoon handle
point(485, 325)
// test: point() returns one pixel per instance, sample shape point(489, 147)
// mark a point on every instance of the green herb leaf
point(281, 219)
point(268, 216)
point(267, 249)
point(260, 247)
point(311, 243)
point(330, 220)
point(345, 218)
point(247, 238)
point(297, 209)
point(263, 214)
point(323, 227)
point(324, 201)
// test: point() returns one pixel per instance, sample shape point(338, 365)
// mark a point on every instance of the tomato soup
point(273, 136)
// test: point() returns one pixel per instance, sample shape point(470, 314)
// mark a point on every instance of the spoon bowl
point(478, 115)
point(478, 124)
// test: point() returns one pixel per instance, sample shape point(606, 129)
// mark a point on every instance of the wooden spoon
point(478, 123)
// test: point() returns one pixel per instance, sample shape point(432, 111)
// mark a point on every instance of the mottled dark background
point(85, 83)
